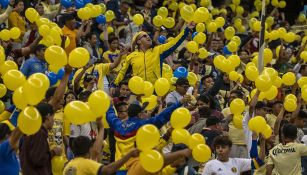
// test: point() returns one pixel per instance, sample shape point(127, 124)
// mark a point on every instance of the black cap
point(212, 121)
point(290, 131)
point(134, 109)
point(182, 81)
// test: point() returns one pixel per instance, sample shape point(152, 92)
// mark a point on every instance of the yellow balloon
point(109, 15)
point(237, 106)
point(291, 96)
point(180, 136)
point(201, 153)
point(200, 27)
point(148, 89)
point(34, 91)
point(58, 163)
point(99, 102)
point(55, 55)
point(162, 11)
point(18, 98)
point(161, 86)
point(151, 160)
point(31, 14)
point(200, 38)
point(303, 55)
point(263, 83)
point(138, 19)
point(218, 61)
point(84, 13)
point(167, 72)
point(13, 79)
point(233, 76)
point(173, 6)
point(229, 32)
point(239, 10)
point(96, 10)
point(301, 17)
point(2, 106)
point(267, 132)
point(168, 22)
point(15, 33)
point(227, 66)
point(212, 27)
point(147, 137)
point(257, 26)
point(282, 4)
point(180, 118)
point(110, 29)
point(289, 79)
point(43, 78)
point(157, 21)
point(78, 57)
point(3, 90)
point(187, 13)
point(235, 59)
point(271, 72)
point(42, 21)
point(78, 112)
point(290, 105)
point(236, 2)
point(2, 55)
point(202, 53)
point(304, 94)
point(237, 121)
point(236, 39)
point(8, 65)
point(257, 123)
point(277, 82)
point(54, 68)
point(302, 81)
point(232, 46)
point(201, 15)
point(44, 30)
point(271, 93)
point(29, 120)
point(220, 21)
point(56, 36)
point(205, 3)
point(289, 37)
point(192, 78)
point(5, 35)
point(136, 85)
point(192, 46)
point(196, 139)
point(152, 102)
point(268, 55)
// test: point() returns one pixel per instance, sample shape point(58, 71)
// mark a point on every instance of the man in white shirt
point(182, 86)
point(224, 165)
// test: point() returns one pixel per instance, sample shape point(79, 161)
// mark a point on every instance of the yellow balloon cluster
point(147, 137)
point(226, 65)
point(56, 56)
point(257, 124)
point(237, 106)
point(290, 103)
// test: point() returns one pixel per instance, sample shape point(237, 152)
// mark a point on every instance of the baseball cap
point(182, 81)
point(134, 109)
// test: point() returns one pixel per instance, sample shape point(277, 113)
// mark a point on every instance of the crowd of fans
point(143, 87)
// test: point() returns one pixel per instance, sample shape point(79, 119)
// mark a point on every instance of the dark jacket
point(35, 154)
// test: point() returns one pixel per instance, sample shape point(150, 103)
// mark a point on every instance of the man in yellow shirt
point(82, 164)
point(285, 158)
point(238, 149)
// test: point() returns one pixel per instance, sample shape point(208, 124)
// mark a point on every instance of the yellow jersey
point(81, 166)
point(287, 158)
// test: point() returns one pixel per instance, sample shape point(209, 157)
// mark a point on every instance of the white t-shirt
point(233, 167)
point(88, 129)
